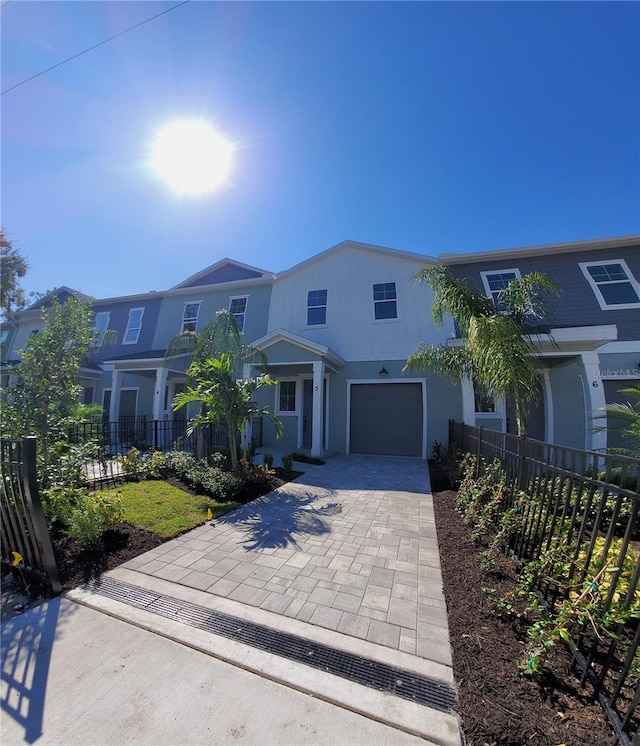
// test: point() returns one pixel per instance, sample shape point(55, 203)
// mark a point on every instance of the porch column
point(158, 396)
point(247, 435)
point(468, 402)
point(116, 388)
point(318, 409)
point(594, 398)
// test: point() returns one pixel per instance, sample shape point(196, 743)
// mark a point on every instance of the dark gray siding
point(118, 323)
point(577, 306)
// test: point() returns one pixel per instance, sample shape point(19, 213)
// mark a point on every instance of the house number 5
point(317, 388)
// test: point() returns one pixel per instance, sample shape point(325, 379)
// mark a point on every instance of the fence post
point(155, 434)
point(479, 452)
point(41, 531)
point(523, 451)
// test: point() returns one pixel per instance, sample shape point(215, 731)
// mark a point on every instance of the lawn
point(166, 510)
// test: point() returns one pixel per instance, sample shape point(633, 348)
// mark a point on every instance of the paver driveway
point(350, 546)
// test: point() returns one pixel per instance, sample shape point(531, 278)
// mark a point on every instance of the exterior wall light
point(383, 372)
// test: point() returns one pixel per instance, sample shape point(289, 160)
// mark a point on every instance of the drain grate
point(419, 689)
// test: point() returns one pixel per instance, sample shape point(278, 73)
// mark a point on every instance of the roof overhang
point(570, 339)
point(307, 345)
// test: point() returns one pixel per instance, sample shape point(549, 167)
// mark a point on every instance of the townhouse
point(337, 329)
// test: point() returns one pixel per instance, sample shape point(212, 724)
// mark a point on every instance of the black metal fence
point(116, 439)
point(24, 527)
point(585, 507)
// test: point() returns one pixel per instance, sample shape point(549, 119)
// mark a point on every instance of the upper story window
point(316, 307)
point(134, 325)
point(102, 324)
point(385, 301)
point(190, 316)
point(287, 396)
point(613, 284)
point(4, 336)
point(495, 282)
point(238, 307)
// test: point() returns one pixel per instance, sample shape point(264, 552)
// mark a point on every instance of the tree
point(224, 400)
point(497, 351)
point(47, 395)
point(221, 336)
point(626, 416)
point(12, 267)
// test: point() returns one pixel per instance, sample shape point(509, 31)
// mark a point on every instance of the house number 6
point(594, 384)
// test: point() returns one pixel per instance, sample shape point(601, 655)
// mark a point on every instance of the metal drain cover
point(365, 671)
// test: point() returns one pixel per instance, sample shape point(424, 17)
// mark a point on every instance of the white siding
point(348, 276)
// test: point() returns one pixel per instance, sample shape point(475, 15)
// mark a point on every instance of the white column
point(158, 396)
point(116, 387)
point(594, 398)
point(245, 438)
point(318, 409)
point(468, 402)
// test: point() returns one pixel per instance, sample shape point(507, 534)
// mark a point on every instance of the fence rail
point(24, 527)
point(115, 439)
point(584, 506)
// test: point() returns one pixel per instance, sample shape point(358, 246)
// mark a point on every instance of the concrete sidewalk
point(345, 558)
point(75, 676)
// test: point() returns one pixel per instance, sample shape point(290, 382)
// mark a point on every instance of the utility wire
point(95, 46)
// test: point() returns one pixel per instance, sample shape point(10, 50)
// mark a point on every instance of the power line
point(95, 46)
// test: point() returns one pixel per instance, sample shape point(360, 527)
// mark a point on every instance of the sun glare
point(192, 157)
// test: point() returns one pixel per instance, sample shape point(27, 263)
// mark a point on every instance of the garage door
point(386, 418)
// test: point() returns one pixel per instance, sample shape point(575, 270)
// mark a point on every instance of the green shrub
point(304, 459)
point(287, 461)
point(59, 503)
point(268, 461)
point(152, 465)
point(131, 462)
point(98, 513)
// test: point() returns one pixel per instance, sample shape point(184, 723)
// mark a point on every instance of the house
point(337, 330)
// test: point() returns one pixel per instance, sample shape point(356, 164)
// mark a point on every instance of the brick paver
point(350, 546)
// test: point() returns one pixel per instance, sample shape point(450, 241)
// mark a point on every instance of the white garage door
point(386, 419)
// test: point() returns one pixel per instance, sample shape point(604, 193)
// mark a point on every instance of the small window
point(316, 307)
point(613, 284)
point(134, 325)
point(287, 396)
point(102, 324)
point(385, 301)
point(4, 336)
point(238, 307)
point(190, 316)
point(496, 282)
point(87, 395)
point(34, 332)
point(484, 401)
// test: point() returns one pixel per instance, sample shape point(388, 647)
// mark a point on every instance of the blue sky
point(426, 127)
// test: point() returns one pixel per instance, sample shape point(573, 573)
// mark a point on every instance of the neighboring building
point(338, 328)
point(591, 348)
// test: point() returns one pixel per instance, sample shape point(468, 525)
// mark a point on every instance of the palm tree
point(625, 416)
point(224, 400)
point(496, 350)
point(220, 336)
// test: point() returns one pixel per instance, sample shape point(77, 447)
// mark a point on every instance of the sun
point(192, 157)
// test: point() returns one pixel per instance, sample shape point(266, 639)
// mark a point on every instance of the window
point(316, 307)
point(384, 301)
point(4, 336)
point(238, 307)
point(287, 396)
point(190, 316)
point(102, 324)
point(134, 325)
point(34, 332)
point(613, 284)
point(87, 395)
point(483, 399)
point(496, 282)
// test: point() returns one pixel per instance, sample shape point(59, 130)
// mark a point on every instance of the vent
point(370, 673)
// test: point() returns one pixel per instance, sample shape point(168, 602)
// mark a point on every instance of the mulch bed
point(498, 705)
